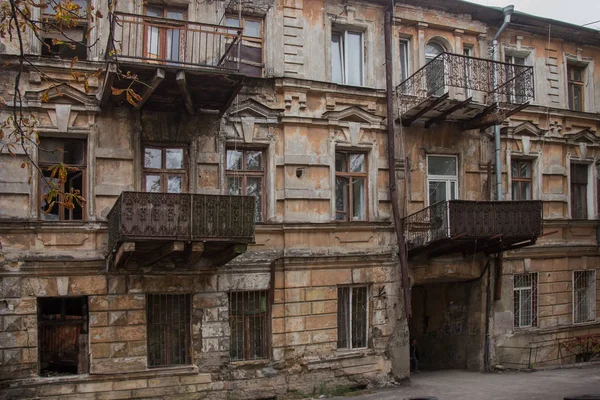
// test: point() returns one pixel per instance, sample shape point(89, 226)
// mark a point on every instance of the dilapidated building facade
point(238, 237)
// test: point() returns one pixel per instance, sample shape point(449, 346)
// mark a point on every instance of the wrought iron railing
point(469, 76)
point(473, 220)
point(140, 216)
point(172, 42)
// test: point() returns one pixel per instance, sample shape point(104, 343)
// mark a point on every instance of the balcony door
point(163, 40)
point(442, 178)
point(435, 71)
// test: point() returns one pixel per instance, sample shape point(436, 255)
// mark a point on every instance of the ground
point(464, 385)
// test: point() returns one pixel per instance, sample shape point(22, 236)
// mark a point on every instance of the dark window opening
point(65, 42)
point(71, 153)
point(169, 330)
point(251, 47)
point(62, 335)
point(575, 76)
point(353, 309)
point(579, 180)
point(248, 318)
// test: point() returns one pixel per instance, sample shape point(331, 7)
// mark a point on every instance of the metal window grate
point(525, 300)
point(584, 296)
point(353, 311)
point(169, 338)
point(248, 318)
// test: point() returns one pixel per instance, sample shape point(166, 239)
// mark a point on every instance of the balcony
point(193, 229)
point(463, 89)
point(177, 64)
point(473, 226)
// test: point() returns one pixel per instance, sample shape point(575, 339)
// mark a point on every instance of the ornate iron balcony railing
point(141, 216)
point(505, 222)
point(172, 42)
point(471, 77)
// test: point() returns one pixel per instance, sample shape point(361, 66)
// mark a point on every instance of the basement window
point(248, 319)
point(353, 312)
point(525, 300)
point(169, 330)
point(63, 335)
point(584, 296)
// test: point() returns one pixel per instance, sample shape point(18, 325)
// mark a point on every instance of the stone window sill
point(248, 363)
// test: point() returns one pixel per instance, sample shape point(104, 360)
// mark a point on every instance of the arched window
point(433, 50)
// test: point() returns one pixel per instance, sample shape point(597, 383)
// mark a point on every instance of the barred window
point(584, 296)
point(525, 300)
point(169, 329)
point(353, 317)
point(248, 318)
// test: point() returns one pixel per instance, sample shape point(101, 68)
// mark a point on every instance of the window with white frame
point(347, 57)
point(525, 300)
point(584, 296)
point(353, 317)
point(442, 178)
point(404, 59)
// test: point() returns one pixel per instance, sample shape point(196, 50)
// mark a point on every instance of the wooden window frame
point(348, 307)
point(574, 193)
point(519, 180)
point(349, 201)
point(246, 322)
point(166, 343)
point(572, 83)
point(244, 174)
point(164, 172)
point(162, 31)
point(81, 168)
point(254, 41)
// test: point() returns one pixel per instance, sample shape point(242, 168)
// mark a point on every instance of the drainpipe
point(508, 10)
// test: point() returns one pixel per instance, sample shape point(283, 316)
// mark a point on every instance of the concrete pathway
point(463, 385)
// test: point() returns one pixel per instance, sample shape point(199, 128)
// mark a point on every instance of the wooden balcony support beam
point(124, 252)
point(194, 252)
point(159, 75)
point(183, 88)
point(109, 79)
point(165, 251)
point(408, 121)
point(448, 112)
point(482, 119)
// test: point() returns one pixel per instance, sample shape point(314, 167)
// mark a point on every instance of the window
point(66, 42)
point(516, 83)
point(353, 317)
point(71, 152)
point(525, 300)
point(62, 335)
point(442, 178)
point(521, 180)
point(468, 70)
point(579, 179)
point(575, 76)
point(350, 187)
point(246, 176)
point(165, 169)
point(584, 296)
point(169, 329)
point(251, 49)
point(248, 318)
point(404, 59)
point(347, 57)
point(435, 72)
point(163, 41)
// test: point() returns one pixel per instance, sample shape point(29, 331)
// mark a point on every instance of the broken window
point(584, 296)
point(442, 178)
point(163, 41)
point(62, 335)
point(165, 169)
point(350, 186)
point(521, 180)
point(353, 317)
point(246, 176)
point(169, 329)
point(71, 153)
point(251, 48)
point(575, 76)
point(248, 318)
point(65, 42)
point(579, 181)
point(347, 57)
point(525, 300)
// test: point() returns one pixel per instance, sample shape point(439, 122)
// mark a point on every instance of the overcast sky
point(574, 11)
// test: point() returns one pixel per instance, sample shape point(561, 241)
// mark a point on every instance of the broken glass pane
point(152, 183)
point(174, 184)
point(357, 163)
point(254, 160)
point(234, 160)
